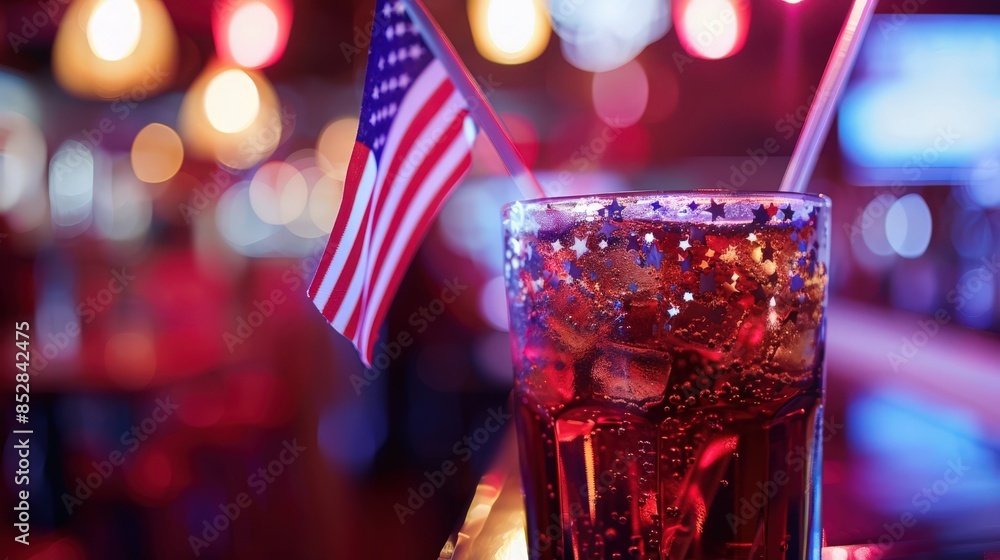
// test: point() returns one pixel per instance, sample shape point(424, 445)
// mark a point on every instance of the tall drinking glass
point(668, 361)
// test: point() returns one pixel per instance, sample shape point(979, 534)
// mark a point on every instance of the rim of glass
point(720, 195)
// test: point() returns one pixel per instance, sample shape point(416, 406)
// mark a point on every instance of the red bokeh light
point(251, 33)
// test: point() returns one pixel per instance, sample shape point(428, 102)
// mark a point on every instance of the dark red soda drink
point(668, 353)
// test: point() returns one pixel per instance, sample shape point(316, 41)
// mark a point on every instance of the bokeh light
point(130, 360)
point(233, 116)
point(713, 29)
point(72, 173)
point(252, 34)
point(110, 49)
point(324, 195)
point(231, 101)
point(873, 225)
point(324, 203)
point(972, 235)
point(22, 160)
point(150, 475)
point(509, 31)
point(600, 35)
point(123, 207)
point(278, 193)
point(908, 226)
point(241, 227)
point(493, 303)
point(977, 290)
point(157, 153)
point(114, 28)
point(620, 96)
point(336, 143)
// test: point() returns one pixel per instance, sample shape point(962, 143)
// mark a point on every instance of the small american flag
point(413, 147)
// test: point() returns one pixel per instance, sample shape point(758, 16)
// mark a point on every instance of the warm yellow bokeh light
point(114, 29)
point(509, 31)
point(114, 49)
point(157, 153)
point(511, 24)
point(253, 34)
point(335, 144)
point(231, 101)
point(213, 119)
point(278, 193)
point(324, 203)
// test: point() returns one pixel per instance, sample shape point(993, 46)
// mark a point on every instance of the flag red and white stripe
point(413, 147)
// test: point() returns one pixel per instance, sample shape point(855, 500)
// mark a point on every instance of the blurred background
point(169, 171)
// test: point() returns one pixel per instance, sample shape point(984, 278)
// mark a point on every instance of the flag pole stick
point(831, 87)
point(478, 105)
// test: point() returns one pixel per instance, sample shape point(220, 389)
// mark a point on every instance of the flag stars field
point(411, 151)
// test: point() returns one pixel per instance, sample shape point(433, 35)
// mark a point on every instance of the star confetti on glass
point(697, 234)
point(673, 311)
point(551, 279)
point(633, 243)
point(717, 210)
point(760, 215)
point(614, 210)
point(515, 245)
point(608, 228)
point(538, 284)
point(759, 294)
point(580, 246)
point(573, 270)
point(603, 244)
point(768, 253)
point(557, 246)
point(655, 205)
point(685, 244)
point(787, 212)
point(693, 206)
point(654, 257)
